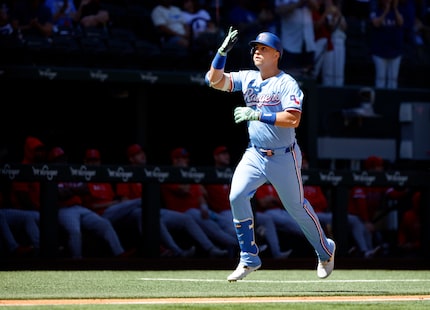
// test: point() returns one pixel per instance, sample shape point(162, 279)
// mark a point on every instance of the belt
point(271, 152)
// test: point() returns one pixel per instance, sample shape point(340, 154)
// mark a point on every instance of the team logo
point(8, 171)
point(294, 99)
point(157, 173)
point(120, 173)
point(83, 171)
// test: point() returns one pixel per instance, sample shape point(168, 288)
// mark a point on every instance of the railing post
point(48, 219)
point(151, 204)
point(340, 219)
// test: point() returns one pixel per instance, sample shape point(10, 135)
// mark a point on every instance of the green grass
point(210, 283)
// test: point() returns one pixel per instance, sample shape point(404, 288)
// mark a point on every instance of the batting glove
point(245, 114)
point(229, 41)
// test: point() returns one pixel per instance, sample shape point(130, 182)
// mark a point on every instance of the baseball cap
point(92, 154)
point(268, 39)
point(373, 162)
point(179, 152)
point(220, 149)
point(55, 153)
point(134, 149)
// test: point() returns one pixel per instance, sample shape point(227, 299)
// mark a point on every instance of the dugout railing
point(153, 176)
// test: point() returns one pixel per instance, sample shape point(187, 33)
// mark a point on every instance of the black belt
point(271, 152)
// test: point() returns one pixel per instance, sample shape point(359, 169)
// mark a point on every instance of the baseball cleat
point(325, 268)
point(241, 272)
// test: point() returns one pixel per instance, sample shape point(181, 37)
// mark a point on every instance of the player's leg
point(271, 235)
point(175, 220)
point(285, 175)
point(245, 181)
point(102, 228)
point(213, 230)
point(69, 220)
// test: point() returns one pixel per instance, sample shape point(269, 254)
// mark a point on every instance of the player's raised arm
point(216, 77)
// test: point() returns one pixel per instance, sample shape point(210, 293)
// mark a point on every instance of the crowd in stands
point(195, 219)
point(321, 38)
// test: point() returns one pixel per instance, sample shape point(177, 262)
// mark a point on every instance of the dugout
point(110, 109)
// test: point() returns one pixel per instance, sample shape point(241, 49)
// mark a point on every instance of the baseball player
point(273, 110)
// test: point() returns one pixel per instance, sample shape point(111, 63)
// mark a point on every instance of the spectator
point(338, 27)
point(63, 14)
point(330, 36)
point(204, 33)
point(189, 198)
point(171, 26)
point(244, 19)
point(124, 214)
point(32, 18)
point(25, 196)
point(323, 43)
point(6, 28)
point(197, 18)
point(297, 33)
point(218, 202)
point(75, 219)
point(169, 220)
point(90, 13)
point(387, 38)
point(416, 32)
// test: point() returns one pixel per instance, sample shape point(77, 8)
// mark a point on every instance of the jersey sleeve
point(292, 96)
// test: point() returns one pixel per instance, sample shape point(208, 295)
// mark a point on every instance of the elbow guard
point(225, 84)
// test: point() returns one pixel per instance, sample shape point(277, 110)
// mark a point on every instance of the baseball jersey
point(217, 197)
point(99, 193)
point(177, 199)
point(267, 190)
point(275, 94)
point(129, 190)
point(316, 197)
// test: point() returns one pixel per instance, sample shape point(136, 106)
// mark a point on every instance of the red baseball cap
point(220, 149)
point(134, 149)
point(179, 152)
point(55, 153)
point(373, 162)
point(92, 154)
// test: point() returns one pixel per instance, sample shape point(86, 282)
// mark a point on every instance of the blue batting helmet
point(269, 39)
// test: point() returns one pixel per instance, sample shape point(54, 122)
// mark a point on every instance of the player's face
point(264, 54)
point(181, 161)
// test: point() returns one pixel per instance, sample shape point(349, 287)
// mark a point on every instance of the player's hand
point(229, 41)
point(245, 114)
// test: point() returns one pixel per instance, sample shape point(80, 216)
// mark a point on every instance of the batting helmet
point(269, 39)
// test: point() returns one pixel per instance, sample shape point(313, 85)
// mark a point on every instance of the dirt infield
point(36, 302)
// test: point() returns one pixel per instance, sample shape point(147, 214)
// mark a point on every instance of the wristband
point(268, 118)
point(219, 61)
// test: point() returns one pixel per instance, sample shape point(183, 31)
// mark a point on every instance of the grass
point(275, 284)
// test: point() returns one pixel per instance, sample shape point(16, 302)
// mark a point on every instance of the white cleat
point(241, 272)
point(325, 268)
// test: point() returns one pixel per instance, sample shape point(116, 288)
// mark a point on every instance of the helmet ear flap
point(252, 51)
